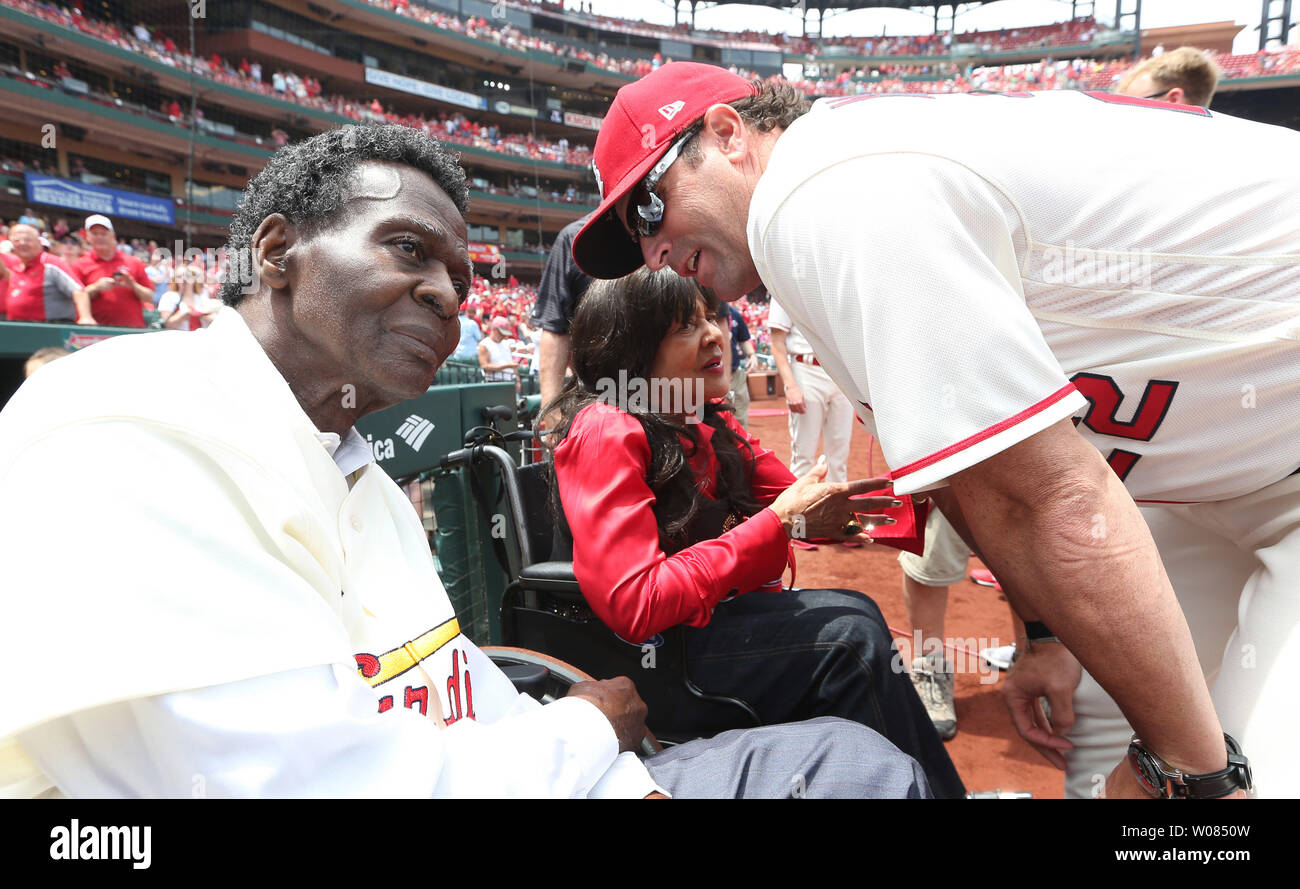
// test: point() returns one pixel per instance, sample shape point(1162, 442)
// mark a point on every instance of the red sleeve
point(627, 579)
point(771, 476)
point(138, 272)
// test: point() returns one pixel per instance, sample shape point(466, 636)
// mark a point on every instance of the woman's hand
point(813, 509)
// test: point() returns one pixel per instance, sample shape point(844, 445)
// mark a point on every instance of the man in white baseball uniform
point(1040, 339)
point(818, 409)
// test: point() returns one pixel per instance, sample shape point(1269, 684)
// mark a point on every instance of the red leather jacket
point(629, 581)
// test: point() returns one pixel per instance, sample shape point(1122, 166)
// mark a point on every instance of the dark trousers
point(807, 653)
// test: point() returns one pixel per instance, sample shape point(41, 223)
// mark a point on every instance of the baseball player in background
point(818, 409)
point(1038, 338)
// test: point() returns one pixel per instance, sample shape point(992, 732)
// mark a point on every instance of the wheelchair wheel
point(559, 678)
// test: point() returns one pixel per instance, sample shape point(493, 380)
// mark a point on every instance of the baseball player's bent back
point(987, 261)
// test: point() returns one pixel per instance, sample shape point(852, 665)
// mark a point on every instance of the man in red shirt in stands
point(43, 287)
point(8, 264)
point(117, 283)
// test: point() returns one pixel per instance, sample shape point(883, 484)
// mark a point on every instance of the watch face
point(1148, 775)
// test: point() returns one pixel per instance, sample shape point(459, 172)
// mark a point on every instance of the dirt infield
point(987, 751)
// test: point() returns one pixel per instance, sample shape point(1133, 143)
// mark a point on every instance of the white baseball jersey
point(971, 269)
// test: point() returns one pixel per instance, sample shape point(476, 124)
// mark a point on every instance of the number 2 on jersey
point(1104, 398)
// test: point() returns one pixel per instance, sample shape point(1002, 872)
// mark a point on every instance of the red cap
point(643, 121)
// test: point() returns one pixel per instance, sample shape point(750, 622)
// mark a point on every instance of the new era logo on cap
point(670, 110)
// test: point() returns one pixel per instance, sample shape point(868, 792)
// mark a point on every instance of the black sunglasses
point(645, 209)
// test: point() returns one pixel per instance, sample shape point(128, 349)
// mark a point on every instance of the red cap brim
point(603, 248)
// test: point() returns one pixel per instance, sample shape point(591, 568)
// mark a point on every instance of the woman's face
point(693, 352)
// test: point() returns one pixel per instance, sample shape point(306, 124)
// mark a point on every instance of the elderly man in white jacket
point(239, 602)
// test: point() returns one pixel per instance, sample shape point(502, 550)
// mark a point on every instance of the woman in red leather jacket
point(679, 516)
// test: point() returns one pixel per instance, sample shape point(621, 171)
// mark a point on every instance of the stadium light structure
point(942, 21)
point(1275, 12)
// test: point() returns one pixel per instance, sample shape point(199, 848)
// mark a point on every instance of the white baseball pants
point(828, 414)
point(1235, 565)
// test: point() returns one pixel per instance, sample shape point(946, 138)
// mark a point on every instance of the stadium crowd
point(1048, 73)
point(510, 37)
point(186, 288)
point(1068, 33)
point(300, 89)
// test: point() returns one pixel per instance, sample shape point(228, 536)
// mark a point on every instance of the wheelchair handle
point(471, 455)
point(461, 457)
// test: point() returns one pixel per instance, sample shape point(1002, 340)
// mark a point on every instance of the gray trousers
point(824, 758)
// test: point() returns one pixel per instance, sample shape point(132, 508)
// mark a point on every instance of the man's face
point(377, 294)
point(102, 241)
point(702, 234)
point(27, 243)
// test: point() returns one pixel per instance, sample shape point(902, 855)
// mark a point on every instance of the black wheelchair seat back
point(548, 535)
point(544, 609)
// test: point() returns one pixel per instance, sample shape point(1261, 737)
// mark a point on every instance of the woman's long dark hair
point(618, 327)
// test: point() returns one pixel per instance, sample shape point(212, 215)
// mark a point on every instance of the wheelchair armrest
point(528, 679)
point(551, 577)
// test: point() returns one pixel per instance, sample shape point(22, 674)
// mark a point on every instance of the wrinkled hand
point(794, 400)
point(618, 699)
point(813, 509)
point(1046, 669)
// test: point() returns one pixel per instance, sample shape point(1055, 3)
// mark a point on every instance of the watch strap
point(1211, 785)
point(1037, 631)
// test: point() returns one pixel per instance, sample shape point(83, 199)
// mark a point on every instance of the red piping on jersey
point(987, 433)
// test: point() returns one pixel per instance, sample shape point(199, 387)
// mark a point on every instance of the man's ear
point(270, 248)
point(724, 127)
point(1177, 95)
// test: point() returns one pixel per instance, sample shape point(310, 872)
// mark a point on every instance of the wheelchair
point(543, 608)
point(547, 679)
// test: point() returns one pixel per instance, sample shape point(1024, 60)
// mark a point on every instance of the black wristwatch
point(1037, 631)
point(1164, 782)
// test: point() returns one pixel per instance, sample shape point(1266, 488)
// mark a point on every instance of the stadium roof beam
point(1272, 11)
point(820, 7)
point(1122, 12)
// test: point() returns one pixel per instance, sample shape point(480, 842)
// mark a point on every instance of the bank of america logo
point(414, 431)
